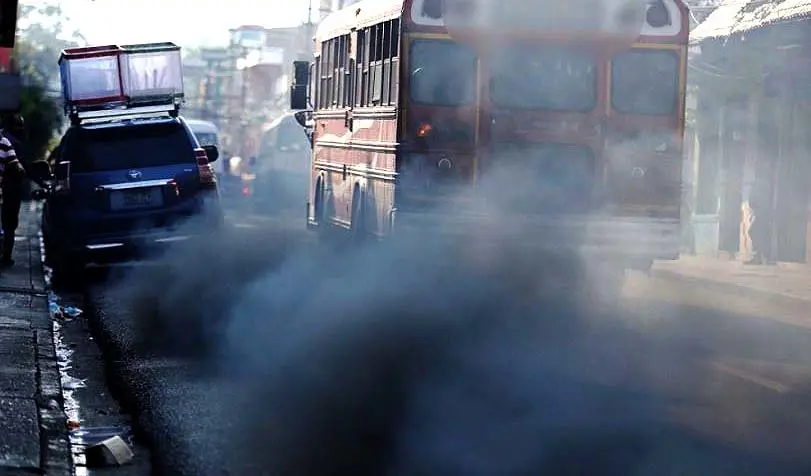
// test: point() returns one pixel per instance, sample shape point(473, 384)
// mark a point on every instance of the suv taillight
point(207, 177)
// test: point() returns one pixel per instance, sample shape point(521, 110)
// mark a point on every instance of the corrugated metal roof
point(738, 16)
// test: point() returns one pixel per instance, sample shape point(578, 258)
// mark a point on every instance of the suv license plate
point(132, 199)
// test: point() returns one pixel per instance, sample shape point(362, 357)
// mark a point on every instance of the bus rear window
point(443, 73)
point(645, 82)
point(529, 76)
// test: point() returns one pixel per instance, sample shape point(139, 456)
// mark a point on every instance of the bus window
point(645, 82)
point(527, 76)
point(443, 73)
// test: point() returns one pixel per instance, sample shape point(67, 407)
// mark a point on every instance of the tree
point(40, 41)
point(42, 38)
point(43, 119)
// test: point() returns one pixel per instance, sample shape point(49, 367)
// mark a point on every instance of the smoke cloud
point(479, 352)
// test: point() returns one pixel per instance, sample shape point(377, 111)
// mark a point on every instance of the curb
point(734, 287)
point(56, 457)
point(55, 450)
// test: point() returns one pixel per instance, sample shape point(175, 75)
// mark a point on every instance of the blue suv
point(126, 185)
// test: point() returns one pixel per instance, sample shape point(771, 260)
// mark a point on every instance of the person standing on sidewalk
point(760, 225)
point(13, 180)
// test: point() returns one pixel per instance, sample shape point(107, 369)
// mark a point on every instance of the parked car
point(126, 185)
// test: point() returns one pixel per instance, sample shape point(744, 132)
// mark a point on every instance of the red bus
point(403, 113)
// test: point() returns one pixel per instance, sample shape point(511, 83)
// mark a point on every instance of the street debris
point(113, 451)
point(72, 383)
point(63, 312)
point(89, 436)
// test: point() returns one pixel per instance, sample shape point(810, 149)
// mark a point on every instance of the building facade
point(751, 73)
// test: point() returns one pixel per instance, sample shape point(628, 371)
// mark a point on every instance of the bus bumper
point(635, 240)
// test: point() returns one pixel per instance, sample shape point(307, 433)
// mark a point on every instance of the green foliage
point(43, 119)
point(40, 41)
point(42, 38)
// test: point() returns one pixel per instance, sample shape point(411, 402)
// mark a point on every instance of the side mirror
point(212, 152)
point(40, 170)
point(301, 80)
point(303, 117)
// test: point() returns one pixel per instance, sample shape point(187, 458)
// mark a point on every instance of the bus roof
point(205, 127)
point(286, 117)
point(358, 15)
point(370, 12)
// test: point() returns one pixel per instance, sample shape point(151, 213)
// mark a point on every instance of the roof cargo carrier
point(109, 81)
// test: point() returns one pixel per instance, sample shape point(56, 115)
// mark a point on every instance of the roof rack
point(110, 81)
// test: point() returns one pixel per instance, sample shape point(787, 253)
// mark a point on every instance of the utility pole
point(206, 97)
point(243, 106)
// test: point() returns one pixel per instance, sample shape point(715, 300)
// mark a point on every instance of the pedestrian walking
point(11, 174)
point(760, 222)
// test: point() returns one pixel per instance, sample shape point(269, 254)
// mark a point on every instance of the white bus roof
point(286, 117)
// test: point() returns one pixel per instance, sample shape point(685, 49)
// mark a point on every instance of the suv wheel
point(68, 270)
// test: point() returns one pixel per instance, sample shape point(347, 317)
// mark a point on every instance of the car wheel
point(67, 270)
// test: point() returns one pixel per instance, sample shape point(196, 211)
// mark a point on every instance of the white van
point(207, 133)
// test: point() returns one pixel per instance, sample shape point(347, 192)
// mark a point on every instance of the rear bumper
point(108, 247)
point(604, 237)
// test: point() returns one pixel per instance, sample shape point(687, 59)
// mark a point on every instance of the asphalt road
point(257, 356)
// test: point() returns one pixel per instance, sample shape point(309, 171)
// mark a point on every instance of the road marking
point(244, 225)
point(752, 378)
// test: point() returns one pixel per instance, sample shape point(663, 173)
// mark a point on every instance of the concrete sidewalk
point(786, 280)
point(33, 425)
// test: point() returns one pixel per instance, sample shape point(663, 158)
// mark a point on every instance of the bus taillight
point(424, 130)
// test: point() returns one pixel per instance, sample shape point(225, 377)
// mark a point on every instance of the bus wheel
point(605, 286)
point(318, 204)
point(323, 230)
point(357, 227)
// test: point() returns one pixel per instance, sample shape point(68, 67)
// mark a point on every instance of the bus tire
point(358, 218)
point(605, 286)
point(318, 204)
point(325, 233)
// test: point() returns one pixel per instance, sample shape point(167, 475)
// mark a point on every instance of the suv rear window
point(129, 147)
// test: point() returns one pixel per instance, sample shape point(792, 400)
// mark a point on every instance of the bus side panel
point(330, 154)
point(374, 143)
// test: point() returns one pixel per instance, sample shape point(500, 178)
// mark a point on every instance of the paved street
point(257, 359)
point(53, 395)
point(705, 367)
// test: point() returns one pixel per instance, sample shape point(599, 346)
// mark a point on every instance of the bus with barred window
point(403, 113)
